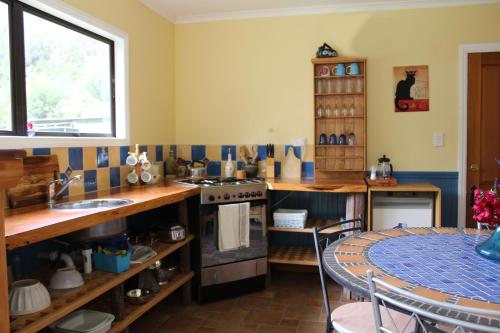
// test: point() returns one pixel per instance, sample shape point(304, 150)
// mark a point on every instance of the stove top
point(215, 190)
point(219, 181)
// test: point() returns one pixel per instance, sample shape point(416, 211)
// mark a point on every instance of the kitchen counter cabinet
point(311, 185)
point(24, 226)
point(36, 223)
point(355, 189)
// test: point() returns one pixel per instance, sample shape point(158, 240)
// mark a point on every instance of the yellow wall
point(249, 81)
point(151, 59)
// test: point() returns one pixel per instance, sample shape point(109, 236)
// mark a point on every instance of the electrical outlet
point(438, 139)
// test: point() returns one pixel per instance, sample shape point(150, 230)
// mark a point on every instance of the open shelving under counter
point(308, 227)
point(292, 255)
point(96, 284)
point(133, 311)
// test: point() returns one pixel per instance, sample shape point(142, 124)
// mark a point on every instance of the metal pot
point(198, 168)
point(100, 231)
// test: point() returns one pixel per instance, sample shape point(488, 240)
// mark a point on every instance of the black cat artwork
point(403, 90)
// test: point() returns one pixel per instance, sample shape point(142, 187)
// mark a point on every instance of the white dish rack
point(290, 218)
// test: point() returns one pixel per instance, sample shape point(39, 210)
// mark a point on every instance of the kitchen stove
point(227, 273)
point(216, 190)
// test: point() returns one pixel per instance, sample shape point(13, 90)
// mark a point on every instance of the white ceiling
point(191, 11)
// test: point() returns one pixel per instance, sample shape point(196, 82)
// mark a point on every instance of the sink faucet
point(52, 196)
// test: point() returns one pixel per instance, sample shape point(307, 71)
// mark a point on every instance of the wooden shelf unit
point(332, 159)
point(308, 228)
point(133, 312)
point(292, 255)
point(96, 284)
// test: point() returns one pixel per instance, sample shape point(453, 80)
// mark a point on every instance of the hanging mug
point(339, 70)
point(352, 69)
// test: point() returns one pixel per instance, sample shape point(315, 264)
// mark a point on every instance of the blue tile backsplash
point(75, 158)
point(90, 180)
point(114, 176)
point(102, 157)
point(159, 153)
point(198, 152)
point(41, 151)
point(224, 151)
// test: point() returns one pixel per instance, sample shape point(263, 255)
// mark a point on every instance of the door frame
point(463, 54)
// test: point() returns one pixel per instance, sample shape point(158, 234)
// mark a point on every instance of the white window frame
point(122, 117)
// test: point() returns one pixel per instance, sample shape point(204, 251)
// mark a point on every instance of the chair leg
point(329, 326)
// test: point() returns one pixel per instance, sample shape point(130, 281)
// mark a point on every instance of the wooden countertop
point(310, 185)
point(406, 187)
point(32, 224)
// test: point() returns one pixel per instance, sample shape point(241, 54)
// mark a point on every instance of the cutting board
point(292, 165)
point(38, 171)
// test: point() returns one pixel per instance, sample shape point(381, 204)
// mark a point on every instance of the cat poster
point(411, 87)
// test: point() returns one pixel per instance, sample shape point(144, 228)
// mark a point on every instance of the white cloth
point(234, 226)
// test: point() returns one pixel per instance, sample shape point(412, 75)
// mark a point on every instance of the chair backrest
point(325, 235)
point(390, 296)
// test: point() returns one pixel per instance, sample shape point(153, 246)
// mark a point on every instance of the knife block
point(270, 167)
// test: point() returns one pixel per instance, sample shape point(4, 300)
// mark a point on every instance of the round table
point(438, 263)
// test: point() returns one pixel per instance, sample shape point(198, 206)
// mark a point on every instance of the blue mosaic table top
point(444, 262)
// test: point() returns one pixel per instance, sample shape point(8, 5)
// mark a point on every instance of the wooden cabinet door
point(483, 123)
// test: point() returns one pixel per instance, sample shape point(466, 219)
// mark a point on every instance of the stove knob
point(227, 196)
point(253, 194)
point(247, 194)
point(259, 194)
point(211, 198)
point(240, 195)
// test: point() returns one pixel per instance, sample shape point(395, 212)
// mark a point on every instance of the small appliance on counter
point(383, 173)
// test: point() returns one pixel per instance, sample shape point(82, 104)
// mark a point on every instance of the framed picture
point(411, 88)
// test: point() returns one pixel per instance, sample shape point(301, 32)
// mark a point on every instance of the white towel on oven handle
point(233, 226)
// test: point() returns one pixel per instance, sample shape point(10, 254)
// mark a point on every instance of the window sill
point(16, 142)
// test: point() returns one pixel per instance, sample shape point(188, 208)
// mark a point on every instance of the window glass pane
point(67, 79)
point(5, 99)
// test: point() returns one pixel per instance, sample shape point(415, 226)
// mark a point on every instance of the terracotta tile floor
point(292, 304)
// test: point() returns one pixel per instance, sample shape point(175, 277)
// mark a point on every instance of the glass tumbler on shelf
point(352, 109)
point(348, 85)
point(339, 85)
point(359, 85)
point(336, 108)
point(328, 111)
point(344, 110)
point(319, 86)
point(319, 111)
point(329, 86)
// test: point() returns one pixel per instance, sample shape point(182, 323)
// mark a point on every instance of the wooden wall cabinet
point(339, 109)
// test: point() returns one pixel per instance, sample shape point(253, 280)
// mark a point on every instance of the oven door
point(211, 256)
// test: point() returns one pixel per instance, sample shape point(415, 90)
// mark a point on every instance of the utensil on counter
point(255, 154)
point(244, 154)
point(28, 296)
point(291, 165)
point(139, 296)
point(269, 161)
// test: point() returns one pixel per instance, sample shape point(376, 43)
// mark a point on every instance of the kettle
point(384, 168)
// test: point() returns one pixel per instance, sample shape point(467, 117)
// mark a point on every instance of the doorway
point(483, 124)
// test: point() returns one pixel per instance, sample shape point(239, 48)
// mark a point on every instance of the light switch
point(438, 139)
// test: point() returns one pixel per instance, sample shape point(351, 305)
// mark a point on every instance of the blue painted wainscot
point(447, 181)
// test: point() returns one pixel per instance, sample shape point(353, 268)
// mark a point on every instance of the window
point(63, 76)
point(5, 82)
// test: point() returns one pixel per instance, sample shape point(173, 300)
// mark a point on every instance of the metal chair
point(424, 320)
point(354, 317)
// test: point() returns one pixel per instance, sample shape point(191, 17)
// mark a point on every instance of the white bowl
point(66, 278)
point(28, 296)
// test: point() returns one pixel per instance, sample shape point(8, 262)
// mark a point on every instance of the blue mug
point(322, 139)
point(352, 69)
point(342, 139)
point(333, 139)
point(339, 70)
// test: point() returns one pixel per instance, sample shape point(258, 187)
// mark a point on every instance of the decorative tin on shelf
point(326, 51)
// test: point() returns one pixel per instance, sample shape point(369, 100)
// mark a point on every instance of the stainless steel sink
point(92, 204)
point(100, 231)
